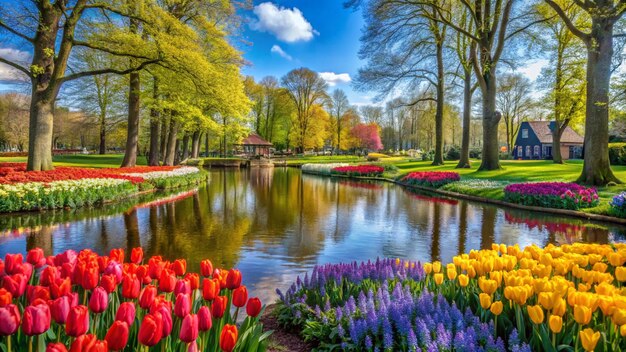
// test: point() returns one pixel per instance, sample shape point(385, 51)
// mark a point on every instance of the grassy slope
point(97, 161)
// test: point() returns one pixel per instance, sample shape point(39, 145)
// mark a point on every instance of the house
point(254, 145)
point(534, 141)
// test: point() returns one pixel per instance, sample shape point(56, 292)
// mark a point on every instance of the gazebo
point(254, 145)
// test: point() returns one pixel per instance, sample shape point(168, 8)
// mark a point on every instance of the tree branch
point(585, 37)
point(16, 66)
point(107, 70)
point(12, 30)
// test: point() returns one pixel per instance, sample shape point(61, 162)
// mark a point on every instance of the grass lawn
point(324, 159)
point(80, 160)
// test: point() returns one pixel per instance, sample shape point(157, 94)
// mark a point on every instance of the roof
point(544, 133)
point(255, 139)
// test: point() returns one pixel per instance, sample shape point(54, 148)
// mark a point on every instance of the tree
point(367, 136)
point(338, 104)
point(598, 40)
point(372, 114)
point(514, 102)
point(306, 88)
point(53, 30)
point(565, 78)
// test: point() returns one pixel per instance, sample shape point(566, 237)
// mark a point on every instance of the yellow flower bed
point(566, 297)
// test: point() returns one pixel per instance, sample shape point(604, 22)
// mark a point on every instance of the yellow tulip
point(488, 286)
point(616, 259)
point(620, 273)
point(560, 307)
point(428, 267)
point(496, 308)
point(600, 267)
point(471, 272)
point(451, 274)
point(535, 313)
point(436, 267)
point(439, 278)
point(582, 314)
point(619, 316)
point(485, 300)
point(589, 339)
point(622, 330)
point(556, 323)
point(463, 280)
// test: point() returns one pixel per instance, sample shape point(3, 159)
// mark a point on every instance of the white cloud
point(533, 68)
point(8, 73)
point(334, 78)
point(278, 50)
point(288, 25)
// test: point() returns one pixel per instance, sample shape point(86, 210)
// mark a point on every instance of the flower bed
point(12, 173)
point(566, 297)
point(618, 205)
point(559, 195)
point(320, 169)
point(358, 170)
point(86, 302)
point(431, 179)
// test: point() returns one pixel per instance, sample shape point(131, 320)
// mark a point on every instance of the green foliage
point(617, 153)
point(453, 153)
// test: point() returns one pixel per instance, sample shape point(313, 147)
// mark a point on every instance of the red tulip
point(5, 297)
point(61, 287)
point(167, 281)
point(205, 322)
point(36, 257)
point(68, 256)
point(165, 309)
point(228, 338)
point(77, 322)
point(34, 292)
point(194, 280)
point(15, 284)
point(210, 289)
point(206, 268)
point(59, 309)
point(89, 277)
point(189, 328)
point(143, 275)
point(117, 254)
point(147, 296)
point(130, 286)
point(10, 318)
point(155, 267)
point(233, 279)
point(240, 296)
point(126, 313)
point(219, 306)
point(109, 283)
point(69, 270)
point(179, 267)
point(115, 269)
point(36, 319)
point(182, 286)
point(192, 347)
point(88, 343)
point(254, 307)
point(56, 347)
point(150, 330)
point(103, 262)
point(117, 336)
point(12, 262)
point(49, 275)
point(182, 307)
point(99, 300)
point(136, 255)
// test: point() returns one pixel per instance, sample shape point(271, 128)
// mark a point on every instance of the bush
point(432, 179)
point(617, 153)
point(558, 195)
point(453, 153)
point(475, 153)
point(428, 156)
point(358, 170)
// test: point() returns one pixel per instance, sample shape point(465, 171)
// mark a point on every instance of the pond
point(274, 224)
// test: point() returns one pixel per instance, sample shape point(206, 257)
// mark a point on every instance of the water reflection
point(275, 224)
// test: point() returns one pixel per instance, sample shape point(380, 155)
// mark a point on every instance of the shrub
point(428, 156)
point(432, 179)
point(358, 170)
point(559, 195)
point(320, 169)
point(453, 153)
point(475, 153)
point(617, 153)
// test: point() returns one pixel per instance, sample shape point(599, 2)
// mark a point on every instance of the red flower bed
point(11, 173)
point(432, 179)
point(358, 170)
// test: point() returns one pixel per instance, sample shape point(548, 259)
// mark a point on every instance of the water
point(274, 224)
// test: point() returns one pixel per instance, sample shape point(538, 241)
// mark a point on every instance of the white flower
point(320, 169)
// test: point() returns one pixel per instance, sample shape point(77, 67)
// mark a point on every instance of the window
point(528, 151)
point(536, 150)
point(525, 133)
point(520, 151)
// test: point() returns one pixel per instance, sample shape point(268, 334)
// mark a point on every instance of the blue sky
point(280, 41)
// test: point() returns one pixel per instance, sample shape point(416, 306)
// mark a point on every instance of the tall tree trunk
point(557, 132)
point(491, 118)
point(438, 157)
point(195, 144)
point(177, 152)
point(103, 133)
point(132, 135)
point(464, 162)
point(170, 152)
point(153, 156)
point(596, 167)
point(164, 134)
point(206, 144)
point(40, 133)
point(185, 147)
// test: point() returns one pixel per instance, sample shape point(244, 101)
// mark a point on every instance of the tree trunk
point(153, 156)
point(177, 152)
point(164, 134)
point(491, 118)
point(438, 157)
point(596, 167)
point(195, 144)
point(103, 134)
point(206, 144)
point(464, 162)
point(40, 134)
point(132, 135)
point(556, 143)
point(185, 146)
point(170, 152)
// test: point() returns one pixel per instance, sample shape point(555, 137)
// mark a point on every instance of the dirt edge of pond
point(282, 340)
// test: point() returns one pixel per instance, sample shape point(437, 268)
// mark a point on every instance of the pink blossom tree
point(367, 136)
